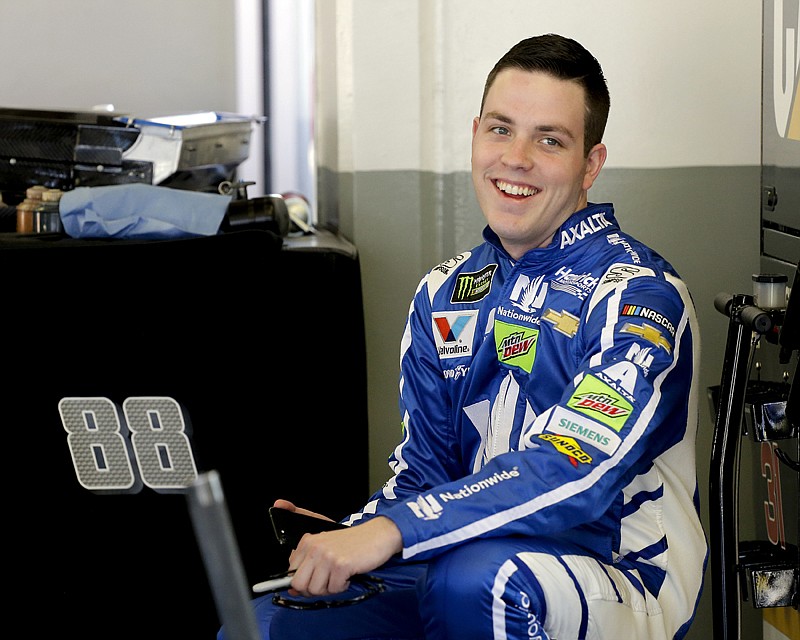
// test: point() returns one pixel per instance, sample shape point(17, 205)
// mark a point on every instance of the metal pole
point(215, 537)
point(724, 473)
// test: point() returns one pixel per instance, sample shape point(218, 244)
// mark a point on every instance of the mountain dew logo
point(599, 401)
point(515, 345)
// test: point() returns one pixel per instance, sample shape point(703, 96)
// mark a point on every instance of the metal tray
point(190, 141)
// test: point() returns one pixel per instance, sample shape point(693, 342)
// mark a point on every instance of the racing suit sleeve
point(427, 455)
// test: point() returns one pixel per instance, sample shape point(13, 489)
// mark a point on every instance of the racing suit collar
point(578, 228)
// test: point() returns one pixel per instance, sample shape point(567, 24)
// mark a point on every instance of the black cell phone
point(289, 526)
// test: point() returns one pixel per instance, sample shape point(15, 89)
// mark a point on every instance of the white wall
point(685, 77)
point(147, 58)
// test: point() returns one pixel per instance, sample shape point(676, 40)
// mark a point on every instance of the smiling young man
point(545, 486)
point(529, 166)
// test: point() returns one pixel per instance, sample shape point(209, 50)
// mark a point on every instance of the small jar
point(25, 209)
point(769, 290)
point(47, 215)
point(25, 216)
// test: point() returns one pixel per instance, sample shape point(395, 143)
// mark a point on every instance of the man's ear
point(594, 162)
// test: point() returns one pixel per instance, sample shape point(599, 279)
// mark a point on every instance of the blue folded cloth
point(141, 211)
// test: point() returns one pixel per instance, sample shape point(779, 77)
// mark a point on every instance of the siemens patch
point(569, 423)
point(472, 287)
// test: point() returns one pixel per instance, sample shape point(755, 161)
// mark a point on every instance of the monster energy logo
point(471, 287)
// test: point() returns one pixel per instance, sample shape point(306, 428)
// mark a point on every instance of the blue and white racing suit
point(546, 476)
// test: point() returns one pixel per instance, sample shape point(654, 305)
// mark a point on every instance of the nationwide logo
point(529, 294)
point(640, 356)
point(486, 483)
point(596, 399)
point(614, 238)
point(472, 287)
point(563, 322)
point(649, 314)
point(515, 345)
point(586, 227)
point(649, 333)
point(515, 315)
point(426, 507)
point(567, 446)
point(454, 332)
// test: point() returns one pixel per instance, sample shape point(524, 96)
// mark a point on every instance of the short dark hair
point(566, 59)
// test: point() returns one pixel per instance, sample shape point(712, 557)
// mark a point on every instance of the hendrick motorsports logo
point(579, 285)
point(428, 508)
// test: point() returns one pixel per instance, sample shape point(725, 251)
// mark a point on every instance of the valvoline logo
point(454, 332)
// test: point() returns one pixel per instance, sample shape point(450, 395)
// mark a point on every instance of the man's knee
point(479, 588)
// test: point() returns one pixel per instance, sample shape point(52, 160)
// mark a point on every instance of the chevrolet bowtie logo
point(646, 332)
point(563, 322)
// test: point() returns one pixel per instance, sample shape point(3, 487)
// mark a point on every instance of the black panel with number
point(130, 367)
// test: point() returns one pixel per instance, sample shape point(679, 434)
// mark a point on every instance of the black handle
point(740, 309)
